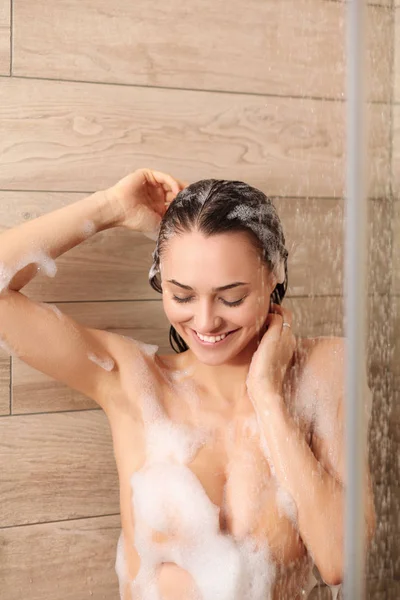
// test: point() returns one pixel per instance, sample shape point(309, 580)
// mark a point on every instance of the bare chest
point(220, 474)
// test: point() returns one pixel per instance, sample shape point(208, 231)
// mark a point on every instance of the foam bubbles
point(175, 520)
point(120, 566)
point(44, 263)
point(287, 505)
point(6, 275)
point(105, 363)
point(88, 228)
point(4, 346)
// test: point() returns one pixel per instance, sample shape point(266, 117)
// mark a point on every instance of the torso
point(229, 509)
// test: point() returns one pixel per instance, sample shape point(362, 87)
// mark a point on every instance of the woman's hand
point(273, 356)
point(141, 198)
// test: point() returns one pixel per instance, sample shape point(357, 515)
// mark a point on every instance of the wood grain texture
point(56, 466)
point(396, 66)
point(77, 558)
point(298, 49)
point(396, 249)
point(71, 560)
point(114, 264)
point(146, 321)
point(395, 344)
point(5, 34)
point(77, 136)
point(4, 383)
point(396, 152)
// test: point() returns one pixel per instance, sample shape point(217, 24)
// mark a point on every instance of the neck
point(225, 382)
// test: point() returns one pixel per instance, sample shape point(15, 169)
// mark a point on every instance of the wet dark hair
point(214, 206)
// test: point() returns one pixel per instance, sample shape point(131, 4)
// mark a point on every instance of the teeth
point(212, 339)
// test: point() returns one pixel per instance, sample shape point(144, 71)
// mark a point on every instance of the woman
point(229, 452)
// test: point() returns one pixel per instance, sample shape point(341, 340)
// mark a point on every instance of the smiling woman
point(204, 210)
point(231, 482)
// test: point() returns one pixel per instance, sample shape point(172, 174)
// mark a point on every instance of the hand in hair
point(141, 198)
point(272, 357)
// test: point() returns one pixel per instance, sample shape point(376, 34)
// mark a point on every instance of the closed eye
point(189, 298)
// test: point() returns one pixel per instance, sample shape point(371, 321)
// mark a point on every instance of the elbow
point(332, 575)
point(334, 579)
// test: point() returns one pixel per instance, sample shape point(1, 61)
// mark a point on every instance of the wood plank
point(77, 136)
point(396, 67)
point(396, 248)
point(114, 264)
point(56, 466)
point(296, 50)
point(87, 570)
point(380, 562)
point(395, 342)
point(78, 560)
point(71, 560)
point(4, 383)
point(146, 321)
point(396, 152)
point(5, 33)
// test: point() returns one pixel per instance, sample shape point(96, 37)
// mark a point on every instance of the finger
point(285, 314)
point(274, 326)
point(167, 181)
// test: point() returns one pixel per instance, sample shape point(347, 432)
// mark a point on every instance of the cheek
point(254, 315)
point(176, 312)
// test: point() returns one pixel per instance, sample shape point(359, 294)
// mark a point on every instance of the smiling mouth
point(211, 339)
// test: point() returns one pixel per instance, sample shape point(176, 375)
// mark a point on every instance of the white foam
point(120, 566)
point(44, 263)
point(4, 346)
point(105, 363)
point(287, 505)
point(149, 349)
point(175, 520)
point(88, 228)
point(6, 275)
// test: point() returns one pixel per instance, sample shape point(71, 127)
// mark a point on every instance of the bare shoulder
point(318, 376)
point(322, 358)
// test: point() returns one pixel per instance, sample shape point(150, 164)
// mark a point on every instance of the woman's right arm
point(39, 334)
point(84, 359)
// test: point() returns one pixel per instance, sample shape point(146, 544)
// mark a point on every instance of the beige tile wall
point(395, 313)
point(5, 41)
point(274, 51)
point(89, 135)
point(99, 89)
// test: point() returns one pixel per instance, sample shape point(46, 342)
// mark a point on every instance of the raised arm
point(51, 342)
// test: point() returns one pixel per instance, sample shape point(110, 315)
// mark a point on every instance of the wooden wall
point(92, 89)
point(394, 423)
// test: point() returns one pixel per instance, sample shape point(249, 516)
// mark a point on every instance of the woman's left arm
point(315, 477)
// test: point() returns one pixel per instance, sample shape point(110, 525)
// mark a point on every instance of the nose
point(205, 319)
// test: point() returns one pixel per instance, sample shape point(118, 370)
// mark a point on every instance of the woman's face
point(193, 267)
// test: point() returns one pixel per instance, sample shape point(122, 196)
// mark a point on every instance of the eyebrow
point(217, 289)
